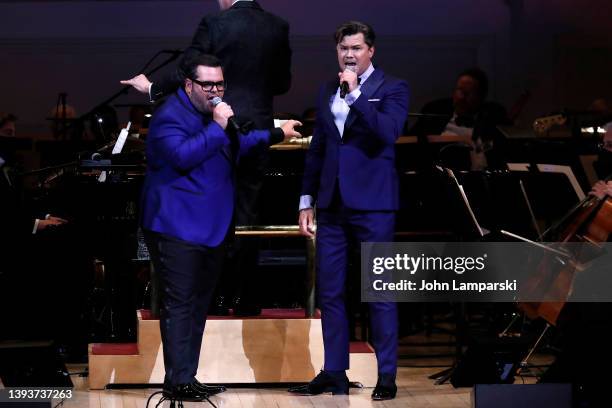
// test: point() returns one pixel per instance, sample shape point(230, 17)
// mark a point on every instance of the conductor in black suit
point(253, 46)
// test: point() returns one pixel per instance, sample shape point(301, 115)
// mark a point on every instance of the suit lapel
point(368, 89)
point(184, 100)
point(332, 88)
point(226, 152)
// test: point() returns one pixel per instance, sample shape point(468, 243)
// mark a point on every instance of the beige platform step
point(278, 346)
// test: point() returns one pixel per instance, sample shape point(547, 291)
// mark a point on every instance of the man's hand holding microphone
point(348, 79)
point(224, 115)
point(222, 112)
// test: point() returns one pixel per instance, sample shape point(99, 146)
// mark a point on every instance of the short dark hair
point(479, 76)
point(190, 65)
point(355, 27)
point(6, 118)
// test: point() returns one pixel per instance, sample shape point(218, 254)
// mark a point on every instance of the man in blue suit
point(187, 208)
point(253, 45)
point(350, 175)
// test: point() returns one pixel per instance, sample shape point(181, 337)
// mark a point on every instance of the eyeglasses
point(207, 86)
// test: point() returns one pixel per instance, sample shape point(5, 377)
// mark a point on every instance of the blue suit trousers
point(337, 228)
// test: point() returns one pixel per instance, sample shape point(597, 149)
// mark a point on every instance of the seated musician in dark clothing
point(18, 224)
point(7, 124)
point(467, 113)
point(603, 164)
point(17, 220)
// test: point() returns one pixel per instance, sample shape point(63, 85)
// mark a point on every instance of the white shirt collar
point(363, 77)
point(341, 107)
point(236, 1)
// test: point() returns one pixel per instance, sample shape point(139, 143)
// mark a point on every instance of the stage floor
point(415, 389)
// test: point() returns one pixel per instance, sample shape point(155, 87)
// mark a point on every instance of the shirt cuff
point(150, 96)
point(306, 202)
point(36, 221)
point(276, 136)
point(352, 97)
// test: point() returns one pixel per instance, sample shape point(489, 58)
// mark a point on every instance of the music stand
point(553, 190)
point(467, 228)
point(465, 223)
point(500, 202)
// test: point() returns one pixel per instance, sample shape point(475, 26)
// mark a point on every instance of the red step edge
point(265, 314)
point(114, 349)
point(129, 349)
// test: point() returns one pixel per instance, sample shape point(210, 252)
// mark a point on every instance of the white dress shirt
point(477, 155)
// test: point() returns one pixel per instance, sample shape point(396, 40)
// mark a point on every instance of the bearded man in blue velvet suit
point(350, 175)
point(187, 208)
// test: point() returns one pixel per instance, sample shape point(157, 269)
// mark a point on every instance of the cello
point(590, 223)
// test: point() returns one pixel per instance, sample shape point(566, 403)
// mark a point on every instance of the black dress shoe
point(184, 392)
point(385, 388)
point(323, 382)
point(219, 307)
point(245, 308)
point(210, 390)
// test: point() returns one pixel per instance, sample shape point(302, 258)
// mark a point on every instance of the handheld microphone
point(231, 120)
point(344, 86)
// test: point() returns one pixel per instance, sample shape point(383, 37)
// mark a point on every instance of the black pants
point(239, 278)
point(188, 274)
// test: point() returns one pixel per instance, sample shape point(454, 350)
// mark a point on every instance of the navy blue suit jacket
point(363, 160)
point(188, 191)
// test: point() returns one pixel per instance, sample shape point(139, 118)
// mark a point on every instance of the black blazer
point(253, 46)
point(16, 221)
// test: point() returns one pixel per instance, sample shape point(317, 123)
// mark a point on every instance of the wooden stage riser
point(233, 351)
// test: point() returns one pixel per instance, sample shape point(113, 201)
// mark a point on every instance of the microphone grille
point(351, 68)
point(216, 100)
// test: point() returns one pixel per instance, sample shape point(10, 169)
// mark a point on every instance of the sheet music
point(481, 230)
point(121, 139)
point(553, 168)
